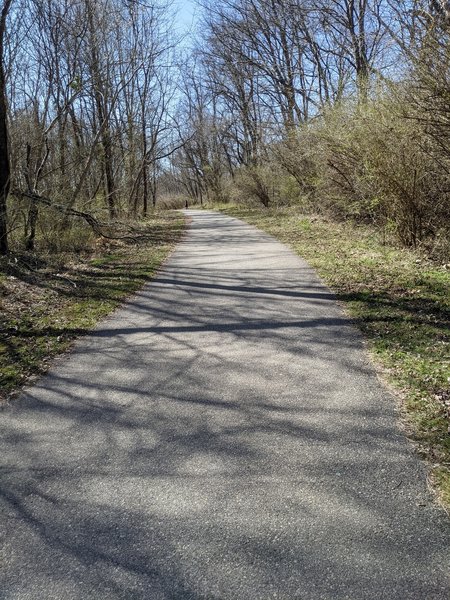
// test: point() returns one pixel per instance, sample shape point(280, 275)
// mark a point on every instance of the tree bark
point(4, 146)
point(103, 118)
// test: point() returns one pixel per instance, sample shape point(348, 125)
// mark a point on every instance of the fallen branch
point(59, 276)
point(98, 227)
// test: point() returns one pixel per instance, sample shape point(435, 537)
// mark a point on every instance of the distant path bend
point(223, 436)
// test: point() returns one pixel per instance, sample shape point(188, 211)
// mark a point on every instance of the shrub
point(378, 163)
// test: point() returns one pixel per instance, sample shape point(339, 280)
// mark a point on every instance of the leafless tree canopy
point(107, 110)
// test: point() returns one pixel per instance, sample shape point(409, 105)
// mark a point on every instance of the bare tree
point(90, 106)
point(4, 145)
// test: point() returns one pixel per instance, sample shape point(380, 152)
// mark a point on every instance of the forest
point(340, 107)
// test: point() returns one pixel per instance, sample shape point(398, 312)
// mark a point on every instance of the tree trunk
point(103, 118)
point(33, 214)
point(4, 147)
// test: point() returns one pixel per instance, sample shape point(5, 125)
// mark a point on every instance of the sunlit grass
point(43, 309)
point(401, 302)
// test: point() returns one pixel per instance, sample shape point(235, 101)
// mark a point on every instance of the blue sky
point(186, 17)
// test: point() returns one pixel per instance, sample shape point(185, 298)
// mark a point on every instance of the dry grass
point(47, 300)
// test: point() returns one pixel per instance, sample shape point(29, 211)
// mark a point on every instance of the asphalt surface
point(222, 436)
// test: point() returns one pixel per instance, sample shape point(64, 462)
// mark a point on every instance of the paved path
point(223, 436)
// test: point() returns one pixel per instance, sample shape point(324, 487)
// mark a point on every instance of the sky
point(186, 15)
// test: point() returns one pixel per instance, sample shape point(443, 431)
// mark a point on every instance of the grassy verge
point(400, 301)
point(48, 300)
